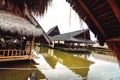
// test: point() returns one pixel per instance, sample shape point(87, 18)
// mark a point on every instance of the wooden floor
point(13, 58)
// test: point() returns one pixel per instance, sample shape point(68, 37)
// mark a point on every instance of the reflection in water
point(52, 61)
point(18, 74)
point(59, 72)
point(58, 65)
point(83, 66)
point(77, 65)
point(103, 70)
point(18, 71)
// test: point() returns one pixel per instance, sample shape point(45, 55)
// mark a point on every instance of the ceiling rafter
point(116, 39)
point(92, 17)
point(115, 8)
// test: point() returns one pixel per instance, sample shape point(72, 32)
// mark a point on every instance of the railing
point(104, 51)
point(8, 53)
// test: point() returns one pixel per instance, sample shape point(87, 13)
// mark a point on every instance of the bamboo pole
point(31, 45)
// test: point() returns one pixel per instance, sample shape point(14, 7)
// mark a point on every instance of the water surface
point(58, 65)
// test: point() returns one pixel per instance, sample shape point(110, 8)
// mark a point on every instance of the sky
point(60, 13)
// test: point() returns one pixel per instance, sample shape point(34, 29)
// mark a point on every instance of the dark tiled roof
point(53, 31)
point(70, 36)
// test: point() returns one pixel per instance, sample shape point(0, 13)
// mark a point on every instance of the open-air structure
point(74, 41)
point(103, 18)
point(19, 30)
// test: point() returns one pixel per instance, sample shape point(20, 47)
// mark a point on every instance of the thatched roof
point(12, 23)
point(18, 6)
point(19, 19)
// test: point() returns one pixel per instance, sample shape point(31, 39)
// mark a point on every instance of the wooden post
point(12, 52)
point(115, 48)
point(3, 52)
point(8, 52)
point(31, 45)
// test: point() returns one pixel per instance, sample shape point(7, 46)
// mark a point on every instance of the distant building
point(76, 39)
point(97, 45)
point(53, 31)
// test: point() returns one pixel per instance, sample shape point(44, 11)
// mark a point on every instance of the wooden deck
point(74, 50)
point(13, 55)
point(109, 58)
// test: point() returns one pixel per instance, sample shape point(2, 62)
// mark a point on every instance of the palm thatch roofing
point(103, 18)
point(16, 18)
point(18, 6)
point(15, 24)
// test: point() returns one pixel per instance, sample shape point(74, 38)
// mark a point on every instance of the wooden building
point(72, 40)
point(103, 18)
point(19, 30)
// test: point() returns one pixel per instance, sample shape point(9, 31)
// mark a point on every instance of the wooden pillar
point(53, 44)
point(115, 48)
point(8, 52)
point(31, 46)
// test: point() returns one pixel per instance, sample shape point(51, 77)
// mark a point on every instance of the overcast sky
point(60, 13)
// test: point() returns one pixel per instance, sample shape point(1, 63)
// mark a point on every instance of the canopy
point(12, 23)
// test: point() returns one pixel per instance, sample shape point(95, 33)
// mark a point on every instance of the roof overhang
point(12, 23)
point(101, 16)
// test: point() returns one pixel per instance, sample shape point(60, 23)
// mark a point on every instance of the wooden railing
point(13, 53)
point(104, 51)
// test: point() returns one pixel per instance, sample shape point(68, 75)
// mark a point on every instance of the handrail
point(10, 52)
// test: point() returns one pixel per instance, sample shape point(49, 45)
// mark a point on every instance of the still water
point(58, 65)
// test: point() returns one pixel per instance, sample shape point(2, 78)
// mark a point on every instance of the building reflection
point(19, 71)
point(79, 66)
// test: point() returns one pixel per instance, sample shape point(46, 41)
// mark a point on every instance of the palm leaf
point(18, 6)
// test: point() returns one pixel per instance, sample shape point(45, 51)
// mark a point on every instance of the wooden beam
point(85, 8)
point(99, 6)
point(36, 24)
point(117, 39)
point(115, 48)
point(31, 46)
point(115, 9)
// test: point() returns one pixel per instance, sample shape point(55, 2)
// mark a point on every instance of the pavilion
point(19, 30)
point(76, 39)
point(103, 19)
